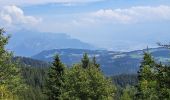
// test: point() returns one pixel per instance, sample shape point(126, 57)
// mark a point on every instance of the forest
point(81, 81)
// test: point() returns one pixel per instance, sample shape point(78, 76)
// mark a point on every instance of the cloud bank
point(133, 14)
point(14, 16)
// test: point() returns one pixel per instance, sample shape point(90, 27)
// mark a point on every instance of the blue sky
point(111, 24)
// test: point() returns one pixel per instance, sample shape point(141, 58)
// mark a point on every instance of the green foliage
point(83, 81)
point(34, 73)
point(128, 93)
point(147, 83)
point(6, 94)
point(85, 61)
point(125, 79)
point(94, 62)
point(78, 82)
point(87, 84)
point(55, 81)
point(10, 76)
point(163, 79)
point(154, 80)
point(35, 79)
point(28, 62)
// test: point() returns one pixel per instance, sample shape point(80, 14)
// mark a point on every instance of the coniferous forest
point(25, 79)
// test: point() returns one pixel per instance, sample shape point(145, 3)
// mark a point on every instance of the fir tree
point(55, 81)
point(147, 83)
point(94, 62)
point(85, 61)
point(163, 79)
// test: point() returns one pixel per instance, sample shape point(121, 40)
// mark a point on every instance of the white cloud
point(111, 14)
point(133, 14)
point(36, 2)
point(14, 16)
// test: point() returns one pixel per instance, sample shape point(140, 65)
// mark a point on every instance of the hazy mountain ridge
point(28, 43)
point(111, 62)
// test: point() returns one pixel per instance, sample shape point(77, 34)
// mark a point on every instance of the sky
point(110, 24)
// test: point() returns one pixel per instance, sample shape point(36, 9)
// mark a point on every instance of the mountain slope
point(29, 62)
point(111, 62)
point(28, 43)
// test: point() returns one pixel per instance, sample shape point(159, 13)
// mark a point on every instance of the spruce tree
point(55, 81)
point(163, 79)
point(94, 62)
point(147, 83)
point(85, 61)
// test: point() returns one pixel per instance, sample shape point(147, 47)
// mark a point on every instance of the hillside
point(111, 62)
point(28, 62)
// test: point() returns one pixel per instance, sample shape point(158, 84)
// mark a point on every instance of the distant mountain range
point(38, 45)
point(28, 43)
point(112, 63)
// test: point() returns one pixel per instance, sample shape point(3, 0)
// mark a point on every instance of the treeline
point(36, 78)
point(26, 79)
point(125, 79)
point(153, 82)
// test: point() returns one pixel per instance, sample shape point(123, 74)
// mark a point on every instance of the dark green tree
point(147, 80)
point(94, 62)
point(163, 79)
point(35, 79)
point(85, 61)
point(55, 80)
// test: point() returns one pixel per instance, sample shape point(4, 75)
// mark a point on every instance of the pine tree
point(55, 81)
point(85, 61)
